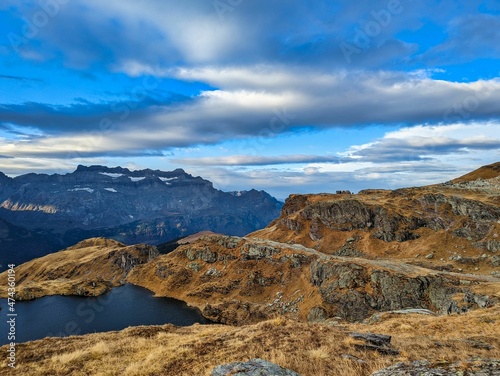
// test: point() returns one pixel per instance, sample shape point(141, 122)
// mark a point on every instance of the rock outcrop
point(244, 280)
point(448, 222)
point(253, 367)
point(475, 367)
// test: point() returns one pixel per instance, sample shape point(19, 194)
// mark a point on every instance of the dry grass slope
point(89, 268)
point(310, 349)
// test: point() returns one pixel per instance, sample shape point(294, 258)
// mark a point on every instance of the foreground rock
point(481, 367)
point(254, 367)
point(375, 342)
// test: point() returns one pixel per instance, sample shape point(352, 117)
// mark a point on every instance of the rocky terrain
point(347, 256)
point(90, 268)
point(143, 206)
point(397, 282)
point(454, 226)
point(236, 280)
point(465, 344)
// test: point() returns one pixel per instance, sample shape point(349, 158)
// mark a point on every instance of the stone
point(374, 339)
point(495, 261)
point(477, 367)
point(317, 314)
point(414, 311)
point(252, 251)
point(212, 272)
point(253, 367)
point(375, 342)
point(353, 358)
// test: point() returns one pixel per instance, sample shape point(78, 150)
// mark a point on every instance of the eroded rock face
point(254, 367)
point(389, 225)
point(446, 220)
point(250, 280)
point(354, 291)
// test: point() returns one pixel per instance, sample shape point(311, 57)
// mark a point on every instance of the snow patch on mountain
point(89, 190)
point(111, 174)
point(137, 179)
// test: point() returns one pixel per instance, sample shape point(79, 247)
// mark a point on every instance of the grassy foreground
point(310, 349)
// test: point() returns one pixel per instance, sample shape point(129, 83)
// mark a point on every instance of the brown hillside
point(486, 172)
point(346, 255)
point(88, 268)
point(245, 280)
point(309, 349)
point(447, 227)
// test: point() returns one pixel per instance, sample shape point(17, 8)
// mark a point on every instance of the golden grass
point(89, 268)
point(310, 349)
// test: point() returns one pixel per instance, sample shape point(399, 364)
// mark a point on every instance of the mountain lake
point(124, 306)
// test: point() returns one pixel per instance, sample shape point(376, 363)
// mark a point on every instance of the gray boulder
point(478, 367)
point(254, 367)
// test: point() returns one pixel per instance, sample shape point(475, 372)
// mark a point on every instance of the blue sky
point(286, 96)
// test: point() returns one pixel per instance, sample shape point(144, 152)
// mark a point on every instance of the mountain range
point(321, 290)
point(42, 213)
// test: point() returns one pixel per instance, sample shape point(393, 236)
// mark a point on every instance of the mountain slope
point(450, 226)
point(236, 281)
point(485, 172)
point(129, 206)
point(88, 268)
point(18, 244)
point(346, 255)
point(309, 349)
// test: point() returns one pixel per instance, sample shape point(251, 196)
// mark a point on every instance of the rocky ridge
point(347, 256)
point(453, 226)
point(243, 280)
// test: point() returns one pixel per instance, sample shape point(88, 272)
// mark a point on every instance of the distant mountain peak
point(4, 177)
point(99, 168)
point(126, 171)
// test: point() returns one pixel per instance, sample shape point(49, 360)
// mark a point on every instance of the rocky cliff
point(143, 206)
point(242, 280)
point(453, 226)
point(348, 256)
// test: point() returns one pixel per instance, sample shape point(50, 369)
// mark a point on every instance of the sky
point(286, 96)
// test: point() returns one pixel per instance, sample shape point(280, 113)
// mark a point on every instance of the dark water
point(123, 306)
